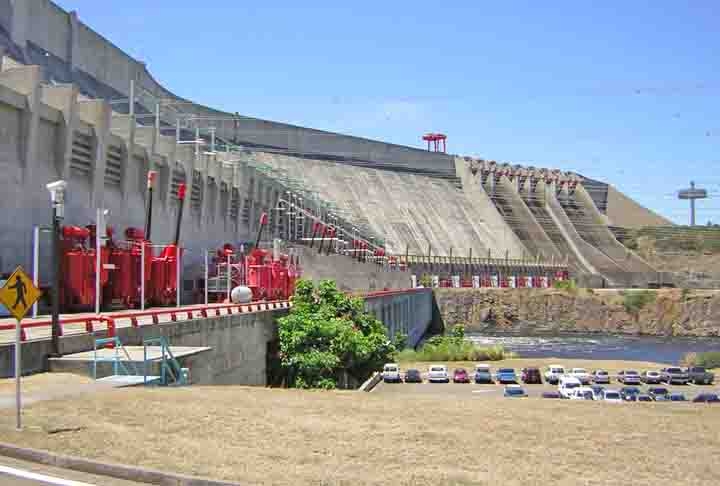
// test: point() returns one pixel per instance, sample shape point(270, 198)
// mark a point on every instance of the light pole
point(57, 198)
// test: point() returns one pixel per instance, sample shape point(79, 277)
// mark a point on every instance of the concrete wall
point(409, 312)
point(42, 23)
point(238, 343)
point(350, 275)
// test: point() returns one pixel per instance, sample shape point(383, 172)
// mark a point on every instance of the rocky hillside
point(666, 312)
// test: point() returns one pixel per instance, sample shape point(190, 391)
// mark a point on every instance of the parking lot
point(478, 391)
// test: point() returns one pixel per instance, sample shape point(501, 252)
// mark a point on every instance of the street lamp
point(57, 199)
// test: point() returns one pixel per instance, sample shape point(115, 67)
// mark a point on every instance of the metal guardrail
point(175, 314)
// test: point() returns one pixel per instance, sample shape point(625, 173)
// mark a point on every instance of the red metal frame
point(189, 311)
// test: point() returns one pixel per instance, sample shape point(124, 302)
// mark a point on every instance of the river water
point(579, 346)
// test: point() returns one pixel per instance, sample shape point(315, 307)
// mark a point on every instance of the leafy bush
point(458, 331)
point(635, 300)
point(709, 359)
point(564, 284)
point(452, 349)
point(426, 280)
point(327, 334)
point(400, 341)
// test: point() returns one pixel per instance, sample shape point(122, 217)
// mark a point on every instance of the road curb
point(118, 471)
point(371, 382)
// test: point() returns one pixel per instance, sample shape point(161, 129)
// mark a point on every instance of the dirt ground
point(291, 437)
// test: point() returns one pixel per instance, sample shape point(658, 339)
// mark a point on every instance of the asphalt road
point(21, 473)
point(471, 390)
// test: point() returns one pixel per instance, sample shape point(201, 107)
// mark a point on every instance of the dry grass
point(291, 437)
point(43, 381)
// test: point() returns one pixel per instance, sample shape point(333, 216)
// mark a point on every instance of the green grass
point(635, 300)
point(454, 350)
point(709, 359)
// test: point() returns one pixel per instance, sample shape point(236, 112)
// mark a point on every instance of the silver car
point(674, 375)
point(629, 377)
point(600, 376)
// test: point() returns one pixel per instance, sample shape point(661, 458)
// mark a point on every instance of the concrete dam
point(73, 106)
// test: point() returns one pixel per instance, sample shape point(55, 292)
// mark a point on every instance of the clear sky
point(624, 91)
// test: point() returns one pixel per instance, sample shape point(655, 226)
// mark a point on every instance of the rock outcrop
point(667, 312)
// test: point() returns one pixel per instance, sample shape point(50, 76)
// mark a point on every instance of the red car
point(531, 375)
point(460, 375)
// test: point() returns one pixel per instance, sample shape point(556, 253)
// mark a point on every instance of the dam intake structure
point(75, 107)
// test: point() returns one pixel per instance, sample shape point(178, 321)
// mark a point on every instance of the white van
point(567, 385)
point(391, 373)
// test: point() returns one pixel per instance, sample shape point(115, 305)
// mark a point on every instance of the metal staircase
point(171, 373)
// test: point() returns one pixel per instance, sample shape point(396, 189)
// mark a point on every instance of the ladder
point(171, 373)
point(116, 359)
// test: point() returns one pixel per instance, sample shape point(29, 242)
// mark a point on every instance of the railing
point(110, 321)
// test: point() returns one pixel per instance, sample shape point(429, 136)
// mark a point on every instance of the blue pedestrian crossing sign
point(19, 294)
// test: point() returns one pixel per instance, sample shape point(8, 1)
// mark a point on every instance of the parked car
point(460, 375)
point(644, 397)
point(438, 374)
point(658, 393)
point(413, 376)
point(629, 393)
point(506, 375)
point(597, 391)
point(514, 391)
point(651, 377)
point(567, 385)
point(707, 398)
point(600, 376)
point(612, 396)
point(553, 374)
point(531, 375)
point(582, 393)
point(699, 375)
point(581, 374)
point(674, 375)
point(483, 374)
point(391, 373)
point(677, 397)
point(629, 377)
point(551, 394)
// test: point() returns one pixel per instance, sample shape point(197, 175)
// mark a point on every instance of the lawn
point(291, 437)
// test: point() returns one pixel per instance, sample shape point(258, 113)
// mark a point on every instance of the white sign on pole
point(456, 281)
point(476, 281)
point(413, 281)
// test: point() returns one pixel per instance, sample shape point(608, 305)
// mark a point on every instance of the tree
point(327, 334)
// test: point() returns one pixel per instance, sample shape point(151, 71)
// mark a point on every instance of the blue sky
point(626, 92)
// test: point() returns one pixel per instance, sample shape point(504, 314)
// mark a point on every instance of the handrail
point(175, 313)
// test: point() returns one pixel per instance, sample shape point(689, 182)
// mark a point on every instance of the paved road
point(21, 473)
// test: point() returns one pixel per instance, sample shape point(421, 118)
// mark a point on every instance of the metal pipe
point(98, 263)
point(55, 293)
point(18, 375)
point(178, 278)
point(207, 271)
point(228, 278)
point(142, 275)
point(182, 189)
point(148, 211)
point(36, 264)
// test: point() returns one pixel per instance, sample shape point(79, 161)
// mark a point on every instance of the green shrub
point(400, 341)
point(425, 280)
point(710, 359)
point(635, 300)
point(451, 349)
point(458, 331)
point(328, 336)
point(564, 284)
